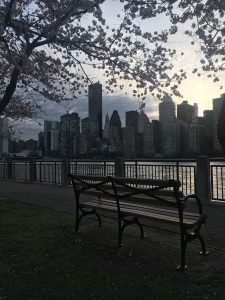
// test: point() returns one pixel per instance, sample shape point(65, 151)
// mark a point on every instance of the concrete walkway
point(62, 198)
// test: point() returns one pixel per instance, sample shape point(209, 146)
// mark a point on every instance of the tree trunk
point(221, 127)
point(9, 90)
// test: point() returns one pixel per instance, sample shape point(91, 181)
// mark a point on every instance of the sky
point(195, 89)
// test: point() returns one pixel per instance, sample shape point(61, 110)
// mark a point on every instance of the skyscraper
point(195, 109)
point(157, 136)
point(148, 143)
point(197, 136)
point(166, 109)
point(143, 120)
point(69, 132)
point(106, 127)
point(85, 126)
point(217, 104)
point(132, 119)
point(51, 136)
point(41, 140)
point(129, 142)
point(130, 136)
point(95, 108)
point(169, 125)
point(115, 132)
point(186, 112)
point(208, 115)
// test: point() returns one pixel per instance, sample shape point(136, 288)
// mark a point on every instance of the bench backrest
point(157, 192)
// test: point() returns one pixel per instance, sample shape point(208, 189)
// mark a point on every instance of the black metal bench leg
point(204, 251)
point(85, 213)
point(99, 219)
point(120, 232)
point(141, 228)
point(77, 222)
point(182, 265)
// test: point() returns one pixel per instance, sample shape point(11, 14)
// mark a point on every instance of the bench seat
point(145, 211)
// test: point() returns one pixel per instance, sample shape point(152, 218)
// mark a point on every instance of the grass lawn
point(39, 261)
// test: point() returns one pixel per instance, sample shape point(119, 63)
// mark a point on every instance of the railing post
point(177, 170)
point(32, 170)
point(104, 172)
point(119, 167)
point(9, 167)
point(136, 169)
point(203, 185)
point(64, 171)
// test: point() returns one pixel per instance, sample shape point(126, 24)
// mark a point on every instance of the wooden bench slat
point(137, 198)
point(133, 212)
point(138, 212)
point(187, 215)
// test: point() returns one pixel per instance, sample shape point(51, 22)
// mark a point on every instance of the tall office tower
point(157, 136)
point(95, 109)
point(169, 126)
point(185, 112)
point(83, 144)
point(197, 136)
point(132, 123)
point(143, 120)
point(148, 143)
point(51, 136)
point(54, 139)
point(41, 140)
point(217, 104)
point(4, 136)
point(69, 133)
point(115, 132)
point(183, 139)
point(166, 109)
point(129, 142)
point(132, 119)
point(195, 109)
point(170, 135)
point(85, 126)
point(208, 116)
point(115, 120)
point(106, 127)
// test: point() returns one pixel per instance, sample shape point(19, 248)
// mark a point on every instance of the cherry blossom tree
point(47, 47)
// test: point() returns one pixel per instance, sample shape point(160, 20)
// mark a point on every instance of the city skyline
point(180, 131)
point(120, 102)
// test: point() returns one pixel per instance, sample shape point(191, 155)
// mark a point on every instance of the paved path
point(62, 198)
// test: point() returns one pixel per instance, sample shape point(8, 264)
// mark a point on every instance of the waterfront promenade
point(62, 198)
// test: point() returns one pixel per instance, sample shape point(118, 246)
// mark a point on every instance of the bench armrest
point(197, 200)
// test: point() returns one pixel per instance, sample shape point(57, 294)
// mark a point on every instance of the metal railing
point(20, 170)
point(53, 171)
point(48, 171)
point(218, 179)
point(100, 168)
point(183, 170)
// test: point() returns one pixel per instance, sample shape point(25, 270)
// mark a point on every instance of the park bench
point(133, 199)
